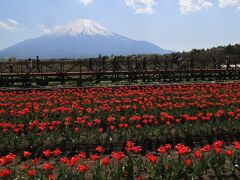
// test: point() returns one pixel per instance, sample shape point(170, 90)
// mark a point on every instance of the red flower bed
point(99, 122)
point(214, 160)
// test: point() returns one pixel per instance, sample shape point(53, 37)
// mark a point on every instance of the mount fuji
point(80, 39)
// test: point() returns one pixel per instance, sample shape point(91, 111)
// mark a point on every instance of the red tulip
point(47, 166)
point(94, 157)
point(118, 155)
point(161, 149)
point(5, 172)
point(64, 160)
point(168, 146)
point(47, 153)
point(57, 152)
point(82, 168)
point(26, 166)
point(99, 149)
point(197, 154)
point(31, 173)
point(152, 158)
point(82, 155)
point(188, 162)
point(229, 152)
point(50, 176)
point(217, 150)
point(35, 160)
point(136, 149)
point(105, 161)
point(26, 154)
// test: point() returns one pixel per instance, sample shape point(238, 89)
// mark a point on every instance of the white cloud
point(44, 28)
point(229, 3)
point(5, 26)
point(141, 6)
point(13, 22)
point(9, 25)
point(86, 2)
point(193, 5)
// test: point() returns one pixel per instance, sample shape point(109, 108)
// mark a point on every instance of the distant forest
point(216, 52)
point(220, 51)
point(231, 52)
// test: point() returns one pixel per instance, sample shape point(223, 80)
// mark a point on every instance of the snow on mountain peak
point(82, 27)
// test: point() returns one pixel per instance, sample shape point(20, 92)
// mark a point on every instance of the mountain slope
point(80, 39)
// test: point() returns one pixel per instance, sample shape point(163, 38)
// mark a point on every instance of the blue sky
point(171, 24)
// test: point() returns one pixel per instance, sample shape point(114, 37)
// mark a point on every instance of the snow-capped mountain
point(82, 27)
point(80, 39)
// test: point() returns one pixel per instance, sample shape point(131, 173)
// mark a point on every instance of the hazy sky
point(170, 24)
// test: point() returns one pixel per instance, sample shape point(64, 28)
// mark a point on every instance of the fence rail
point(115, 69)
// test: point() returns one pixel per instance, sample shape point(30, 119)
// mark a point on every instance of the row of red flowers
point(106, 115)
point(167, 162)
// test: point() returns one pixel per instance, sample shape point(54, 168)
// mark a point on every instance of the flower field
point(165, 132)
